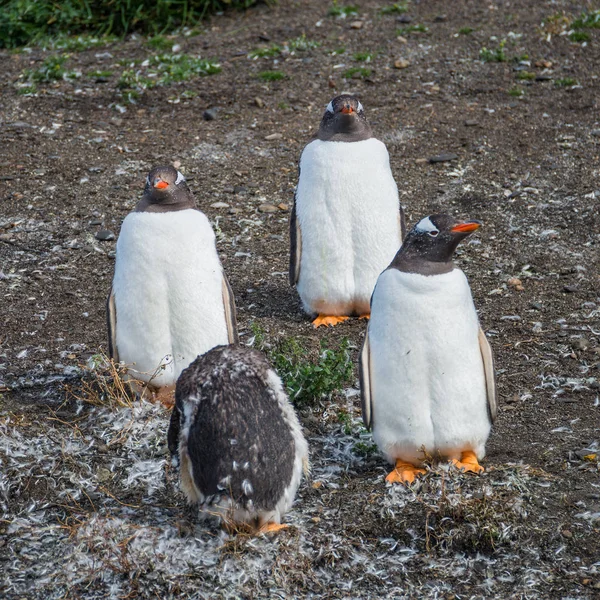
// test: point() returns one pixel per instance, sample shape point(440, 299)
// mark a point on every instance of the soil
point(89, 507)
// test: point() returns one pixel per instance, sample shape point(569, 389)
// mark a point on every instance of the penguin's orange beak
point(468, 227)
point(347, 110)
point(161, 185)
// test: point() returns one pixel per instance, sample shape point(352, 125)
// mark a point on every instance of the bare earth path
point(86, 495)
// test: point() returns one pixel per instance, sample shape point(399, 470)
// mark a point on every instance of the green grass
point(265, 52)
point(364, 56)
point(25, 22)
point(338, 10)
point(494, 55)
point(466, 30)
point(404, 31)
point(27, 90)
point(78, 43)
point(580, 36)
point(339, 50)
point(525, 76)
point(160, 43)
point(307, 382)
point(52, 69)
point(302, 44)
point(517, 92)
point(271, 75)
point(362, 71)
point(283, 105)
point(589, 20)
point(565, 82)
point(396, 8)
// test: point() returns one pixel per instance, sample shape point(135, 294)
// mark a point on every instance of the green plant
point(302, 44)
point(29, 21)
point(181, 67)
point(265, 52)
point(525, 76)
point(306, 382)
point(27, 90)
point(353, 71)
point(271, 75)
point(587, 20)
point(283, 105)
point(339, 50)
point(78, 43)
point(364, 56)
point(98, 73)
point(412, 29)
point(566, 82)
point(517, 92)
point(160, 42)
point(465, 30)
point(338, 10)
point(52, 69)
point(395, 8)
point(496, 55)
point(580, 36)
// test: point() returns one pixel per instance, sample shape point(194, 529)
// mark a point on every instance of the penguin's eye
point(433, 233)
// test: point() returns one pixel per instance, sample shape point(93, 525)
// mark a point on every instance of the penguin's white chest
point(168, 293)
point(427, 376)
point(348, 211)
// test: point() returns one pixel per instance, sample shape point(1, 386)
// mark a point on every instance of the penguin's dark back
point(239, 442)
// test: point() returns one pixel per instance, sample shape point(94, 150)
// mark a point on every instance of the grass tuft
point(565, 82)
point(580, 36)
point(307, 382)
point(25, 22)
point(338, 10)
point(356, 72)
point(364, 56)
point(271, 75)
point(465, 30)
point(525, 76)
point(495, 55)
point(265, 52)
point(419, 28)
point(52, 69)
point(396, 8)
point(302, 44)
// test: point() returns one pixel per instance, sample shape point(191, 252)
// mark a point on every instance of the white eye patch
point(330, 107)
point(179, 179)
point(426, 226)
point(359, 108)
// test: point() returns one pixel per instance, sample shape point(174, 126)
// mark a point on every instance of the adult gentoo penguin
point(238, 440)
point(426, 367)
point(170, 299)
point(347, 222)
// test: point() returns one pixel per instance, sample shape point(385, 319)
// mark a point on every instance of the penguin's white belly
point(348, 211)
point(427, 376)
point(168, 293)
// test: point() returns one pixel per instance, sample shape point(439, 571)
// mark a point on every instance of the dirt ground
point(88, 501)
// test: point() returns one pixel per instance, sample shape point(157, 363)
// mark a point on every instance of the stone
point(356, 25)
point(283, 206)
point(267, 208)
point(516, 283)
point(471, 123)
point(219, 205)
point(401, 63)
point(444, 157)
point(210, 114)
point(273, 136)
point(404, 19)
point(258, 101)
point(105, 235)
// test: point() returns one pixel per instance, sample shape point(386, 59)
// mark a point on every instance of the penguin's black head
point(430, 244)
point(166, 190)
point(344, 121)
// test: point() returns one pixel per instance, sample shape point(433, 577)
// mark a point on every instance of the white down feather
point(348, 210)
point(427, 377)
point(168, 293)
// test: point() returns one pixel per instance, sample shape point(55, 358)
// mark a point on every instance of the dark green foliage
point(271, 75)
point(52, 69)
point(306, 381)
point(587, 20)
point(580, 36)
point(27, 21)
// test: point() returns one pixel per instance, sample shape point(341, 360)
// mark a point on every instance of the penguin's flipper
point(364, 375)
point(490, 379)
point(111, 323)
point(295, 247)
point(230, 311)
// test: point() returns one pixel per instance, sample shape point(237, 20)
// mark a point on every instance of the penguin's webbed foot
point(404, 472)
point(271, 527)
point(468, 462)
point(330, 321)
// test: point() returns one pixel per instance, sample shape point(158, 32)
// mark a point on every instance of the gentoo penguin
point(426, 367)
point(170, 299)
point(237, 439)
point(347, 222)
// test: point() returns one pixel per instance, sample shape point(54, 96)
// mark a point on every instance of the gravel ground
point(89, 505)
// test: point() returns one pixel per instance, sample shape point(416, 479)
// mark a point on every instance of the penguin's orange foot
point(330, 321)
point(468, 462)
point(365, 316)
point(404, 473)
point(271, 527)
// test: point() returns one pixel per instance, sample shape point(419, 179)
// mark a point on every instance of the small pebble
point(210, 114)
point(471, 123)
point(273, 136)
point(219, 205)
point(402, 39)
point(105, 235)
point(581, 344)
point(401, 63)
point(516, 283)
point(570, 289)
point(267, 208)
point(445, 157)
point(282, 206)
point(404, 19)
point(356, 25)
point(566, 533)
point(259, 102)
